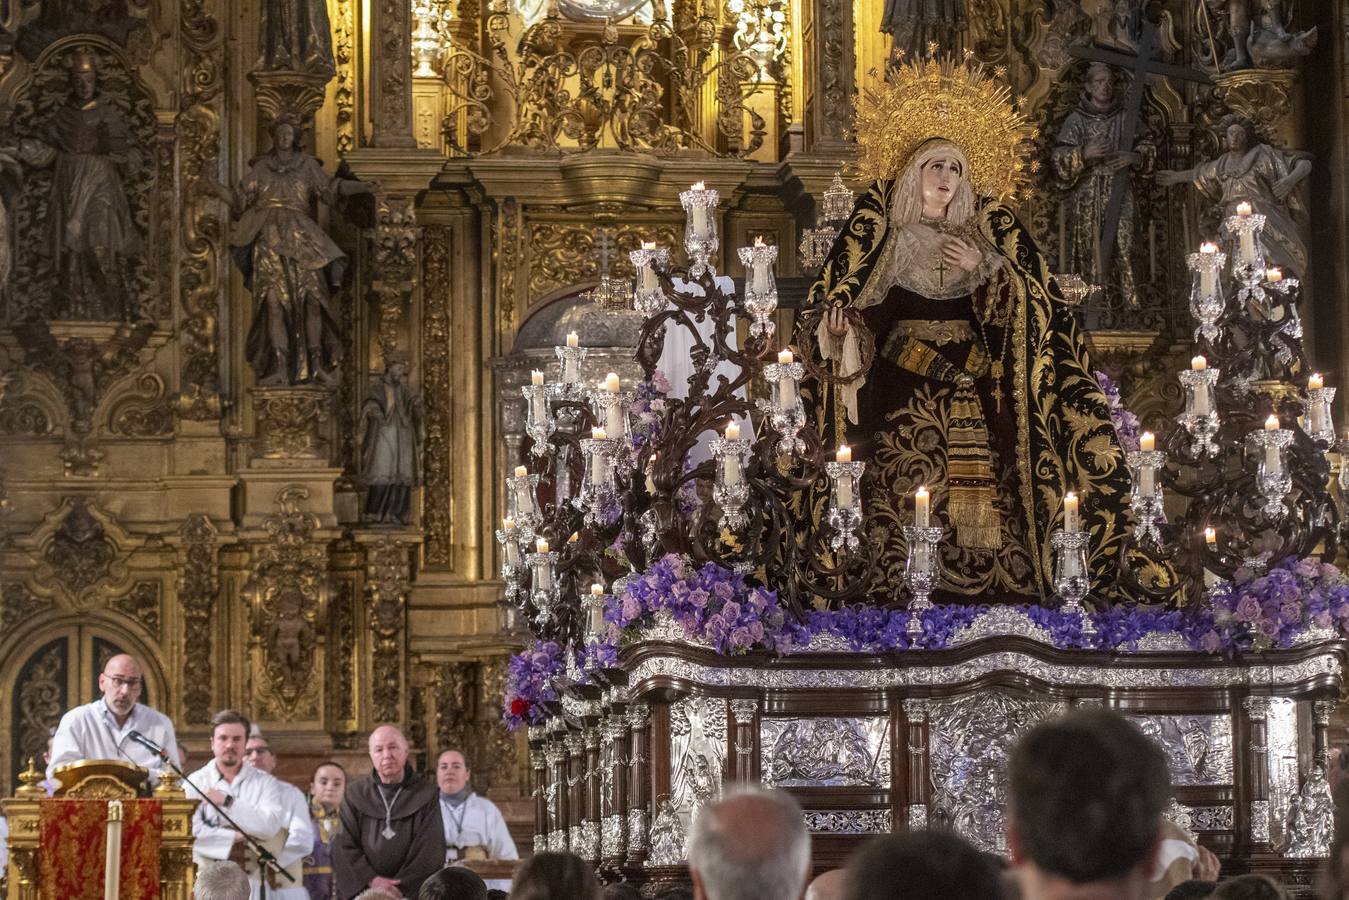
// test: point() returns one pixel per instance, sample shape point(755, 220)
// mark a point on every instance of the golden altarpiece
point(183, 481)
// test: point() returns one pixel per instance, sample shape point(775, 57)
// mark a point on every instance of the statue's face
point(1236, 137)
point(1100, 87)
point(85, 83)
point(283, 136)
point(941, 176)
point(397, 372)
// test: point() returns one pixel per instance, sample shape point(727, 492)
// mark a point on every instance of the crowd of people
point(1085, 821)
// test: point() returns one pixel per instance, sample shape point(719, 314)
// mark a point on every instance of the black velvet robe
point(417, 850)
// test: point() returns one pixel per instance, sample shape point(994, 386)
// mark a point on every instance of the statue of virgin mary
point(947, 356)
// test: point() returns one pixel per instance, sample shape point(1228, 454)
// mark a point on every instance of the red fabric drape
point(73, 836)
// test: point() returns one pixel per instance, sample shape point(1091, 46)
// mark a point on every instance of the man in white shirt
point(299, 826)
point(253, 799)
point(102, 729)
point(474, 827)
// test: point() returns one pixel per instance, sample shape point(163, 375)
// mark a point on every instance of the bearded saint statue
point(947, 356)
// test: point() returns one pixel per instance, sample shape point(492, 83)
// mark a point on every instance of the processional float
point(703, 612)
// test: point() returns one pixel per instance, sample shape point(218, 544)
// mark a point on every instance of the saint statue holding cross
point(944, 352)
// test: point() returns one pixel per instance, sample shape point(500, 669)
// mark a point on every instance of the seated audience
point(494, 894)
point(750, 845)
point(375, 894)
point(1194, 889)
point(391, 837)
point(555, 876)
point(453, 883)
point(326, 787)
point(1248, 887)
point(102, 729)
point(921, 865)
point(620, 891)
point(221, 880)
point(1085, 815)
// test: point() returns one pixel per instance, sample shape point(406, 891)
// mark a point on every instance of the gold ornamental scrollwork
point(631, 87)
point(436, 523)
point(387, 588)
point(394, 242)
point(564, 254)
point(197, 597)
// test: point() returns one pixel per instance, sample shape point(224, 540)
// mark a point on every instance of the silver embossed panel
point(969, 740)
point(848, 821)
point(697, 757)
point(1281, 733)
point(847, 751)
point(1198, 748)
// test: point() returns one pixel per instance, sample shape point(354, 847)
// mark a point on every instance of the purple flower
point(1248, 609)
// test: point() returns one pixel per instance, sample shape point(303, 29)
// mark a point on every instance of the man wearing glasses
point(299, 828)
point(100, 730)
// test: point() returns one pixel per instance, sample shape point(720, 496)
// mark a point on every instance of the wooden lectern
point(112, 782)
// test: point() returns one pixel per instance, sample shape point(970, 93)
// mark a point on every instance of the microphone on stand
point(148, 744)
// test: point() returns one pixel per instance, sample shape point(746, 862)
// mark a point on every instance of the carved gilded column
point(744, 712)
point(829, 105)
point(388, 583)
point(639, 783)
point(391, 71)
point(394, 242)
point(1257, 771)
point(915, 714)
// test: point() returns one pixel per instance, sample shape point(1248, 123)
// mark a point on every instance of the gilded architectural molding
point(438, 529)
point(344, 93)
point(394, 242)
point(387, 586)
point(143, 604)
point(506, 240)
point(197, 597)
point(563, 253)
point(391, 70)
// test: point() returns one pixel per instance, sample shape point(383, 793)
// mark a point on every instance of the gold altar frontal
point(110, 781)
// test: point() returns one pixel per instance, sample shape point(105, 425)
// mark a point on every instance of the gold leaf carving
point(438, 528)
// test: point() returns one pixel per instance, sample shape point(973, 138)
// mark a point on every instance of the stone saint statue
point(288, 262)
point(91, 238)
point(296, 37)
point(1261, 175)
point(914, 24)
point(389, 437)
point(1089, 152)
point(1253, 34)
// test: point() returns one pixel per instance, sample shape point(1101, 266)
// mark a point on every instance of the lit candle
point(1245, 237)
point(649, 270)
point(1243, 209)
point(1147, 478)
point(599, 434)
point(733, 431)
point(1208, 272)
point(1273, 459)
point(543, 573)
point(512, 548)
point(1211, 538)
point(1070, 522)
point(843, 454)
point(1316, 409)
point(1316, 382)
point(614, 411)
point(538, 401)
point(1201, 401)
point(1211, 544)
point(569, 372)
point(730, 468)
point(521, 471)
point(699, 212)
point(541, 545)
point(597, 609)
point(1274, 275)
point(921, 508)
point(786, 384)
point(536, 378)
point(759, 271)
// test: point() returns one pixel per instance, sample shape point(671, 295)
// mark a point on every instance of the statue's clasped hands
point(960, 253)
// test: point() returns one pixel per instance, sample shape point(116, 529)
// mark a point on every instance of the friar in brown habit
point(392, 837)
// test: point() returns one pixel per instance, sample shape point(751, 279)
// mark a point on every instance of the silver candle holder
point(521, 493)
point(1145, 499)
point(647, 297)
point(700, 227)
point(1249, 264)
point(921, 571)
point(593, 606)
point(1206, 292)
point(539, 422)
point(730, 490)
point(786, 414)
point(1072, 579)
point(568, 386)
point(761, 291)
point(845, 503)
point(1200, 418)
point(597, 483)
point(1272, 478)
point(1320, 418)
point(513, 565)
point(611, 409)
point(544, 593)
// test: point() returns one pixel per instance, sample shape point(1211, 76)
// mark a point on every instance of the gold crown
point(918, 101)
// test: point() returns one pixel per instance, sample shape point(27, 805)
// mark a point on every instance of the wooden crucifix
point(1144, 64)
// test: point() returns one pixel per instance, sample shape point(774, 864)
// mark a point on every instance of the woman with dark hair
point(555, 876)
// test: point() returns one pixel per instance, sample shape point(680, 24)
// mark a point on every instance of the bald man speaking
point(391, 838)
point(102, 729)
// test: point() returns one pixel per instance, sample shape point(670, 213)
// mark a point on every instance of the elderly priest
point(391, 838)
point(102, 729)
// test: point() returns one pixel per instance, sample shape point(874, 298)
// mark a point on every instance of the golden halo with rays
point(957, 101)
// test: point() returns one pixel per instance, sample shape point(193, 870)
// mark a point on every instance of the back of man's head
point(222, 880)
point(453, 883)
point(1248, 887)
point(751, 845)
point(922, 865)
point(1087, 794)
point(1193, 889)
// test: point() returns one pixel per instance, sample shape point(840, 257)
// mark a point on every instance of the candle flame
point(1208, 247)
point(699, 186)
